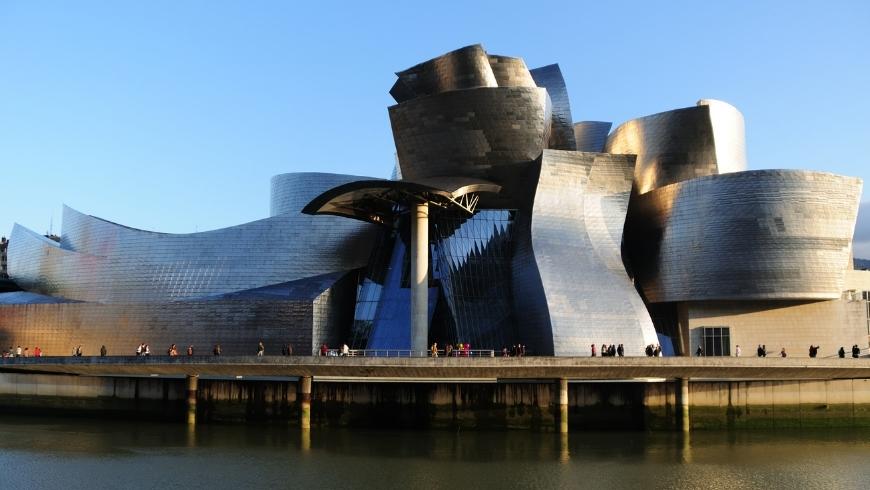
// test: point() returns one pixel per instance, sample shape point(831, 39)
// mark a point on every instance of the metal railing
point(404, 353)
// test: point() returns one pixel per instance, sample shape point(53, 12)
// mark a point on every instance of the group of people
point(516, 350)
point(19, 352)
point(856, 352)
point(611, 350)
point(325, 351)
point(651, 350)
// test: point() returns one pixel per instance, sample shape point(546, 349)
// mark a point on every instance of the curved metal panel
point(466, 133)
point(575, 235)
point(682, 144)
point(511, 72)
point(104, 262)
point(764, 234)
point(562, 134)
point(291, 192)
point(464, 68)
point(591, 135)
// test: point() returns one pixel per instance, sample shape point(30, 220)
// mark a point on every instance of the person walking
point(782, 353)
point(189, 350)
point(620, 351)
point(217, 350)
point(261, 349)
point(345, 350)
point(737, 351)
point(103, 351)
point(289, 349)
point(841, 353)
point(593, 350)
point(37, 352)
point(700, 351)
point(434, 349)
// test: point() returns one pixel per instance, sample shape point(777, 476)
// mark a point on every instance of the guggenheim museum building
point(506, 222)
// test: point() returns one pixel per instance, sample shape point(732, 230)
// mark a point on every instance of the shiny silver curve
point(678, 145)
point(562, 132)
point(572, 256)
point(763, 234)
point(591, 135)
point(100, 261)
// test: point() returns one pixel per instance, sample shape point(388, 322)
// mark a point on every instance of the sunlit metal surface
point(682, 144)
point(101, 261)
point(572, 289)
point(763, 234)
point(467, 67)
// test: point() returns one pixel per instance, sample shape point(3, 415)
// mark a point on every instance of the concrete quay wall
point(446, 405)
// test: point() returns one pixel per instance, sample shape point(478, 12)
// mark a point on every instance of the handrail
point(404, 353)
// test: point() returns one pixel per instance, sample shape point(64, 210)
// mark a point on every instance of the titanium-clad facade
point(682, 144)
point(100, 261)
point(540, 232)
point(763, 234)
point(591, 135)
point(571, 255)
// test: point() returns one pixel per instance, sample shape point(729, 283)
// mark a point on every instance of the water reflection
point(77, 453)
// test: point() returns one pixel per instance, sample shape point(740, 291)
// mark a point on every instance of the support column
point(563, 405)
point(192, 383)
point(420, 276)
point(305, 402)
point(685, 423)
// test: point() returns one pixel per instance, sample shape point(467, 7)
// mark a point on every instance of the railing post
point(563, 405)
point(192, 384)
point(305, 402)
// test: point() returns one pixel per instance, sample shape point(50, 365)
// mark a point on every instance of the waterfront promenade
point(456, 368)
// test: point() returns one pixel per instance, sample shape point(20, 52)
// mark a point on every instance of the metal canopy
point(379, 200)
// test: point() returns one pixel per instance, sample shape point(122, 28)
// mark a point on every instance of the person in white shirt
point(737, 352)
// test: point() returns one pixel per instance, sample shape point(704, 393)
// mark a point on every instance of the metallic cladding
point(100, 261)
point(591, 135)
point(682, 144)
point(310, 316)
point(467, 67)
point(291, 192)
point(572, 244)
point(511, 72)
point(465, 133)
point(763, 234)
point(562, 133)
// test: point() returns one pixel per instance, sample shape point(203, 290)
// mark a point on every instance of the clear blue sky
point(172, 115)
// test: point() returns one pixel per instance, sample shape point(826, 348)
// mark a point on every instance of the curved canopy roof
point(375, 201)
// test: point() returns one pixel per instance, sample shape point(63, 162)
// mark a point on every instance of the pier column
point(420, 276)
point(305, 402)
point(685, 422)
point(192, 383)
point(563, 405)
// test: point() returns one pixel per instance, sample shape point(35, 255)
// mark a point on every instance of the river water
point(88, 453)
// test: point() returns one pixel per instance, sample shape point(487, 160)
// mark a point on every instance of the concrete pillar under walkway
point(420, 276)
point(305, 402)
point(685, 421)
point(192, 384)
point(563, 405)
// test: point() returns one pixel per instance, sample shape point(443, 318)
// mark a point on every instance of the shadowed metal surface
point(468, 132)
point(454, 367)
point(591, 135)
point(101, 261)
point(575, 234)
point(375, 200)
point(467, 67)
point(682, 144)
point(562, 132)
point(304, 313)
point(764, 234)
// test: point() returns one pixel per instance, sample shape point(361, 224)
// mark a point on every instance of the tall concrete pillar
point(305, 402)
point(685, 422)
point(420, 276)
point(192, 384)
point(563, 405)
